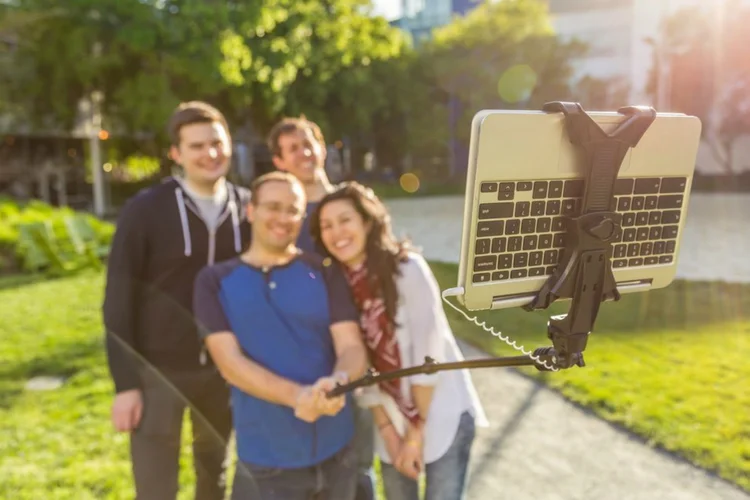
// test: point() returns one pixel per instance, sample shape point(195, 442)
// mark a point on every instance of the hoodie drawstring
point(184, 222)
point(235, 223)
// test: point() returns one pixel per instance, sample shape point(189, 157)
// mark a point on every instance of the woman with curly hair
point(425, 423)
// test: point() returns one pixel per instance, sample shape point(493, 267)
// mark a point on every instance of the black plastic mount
point(584, 272)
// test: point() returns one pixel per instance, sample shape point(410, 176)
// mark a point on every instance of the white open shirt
point(423, 330)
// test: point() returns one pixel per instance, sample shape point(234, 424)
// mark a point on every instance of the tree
point(256, 60)
point(501, 55)
point(700, 63)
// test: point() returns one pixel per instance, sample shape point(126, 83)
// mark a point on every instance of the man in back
point(165, 235)
point(298, 147)
point(282, 327)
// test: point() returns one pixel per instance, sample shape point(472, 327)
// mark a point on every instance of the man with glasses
point(282, 328)
point(298, 147)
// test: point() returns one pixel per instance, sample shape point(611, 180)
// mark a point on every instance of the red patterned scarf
point(380, 337)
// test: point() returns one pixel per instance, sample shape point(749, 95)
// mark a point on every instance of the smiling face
point(203, 152)
point(300, 154)
point(344, 232)
point(276, 214)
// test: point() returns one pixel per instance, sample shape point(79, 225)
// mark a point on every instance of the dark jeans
point(332, 479)
point(365, 449)
point(446, 477)
point(155, 444)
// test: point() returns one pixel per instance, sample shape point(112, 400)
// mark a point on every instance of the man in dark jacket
point(165, 235)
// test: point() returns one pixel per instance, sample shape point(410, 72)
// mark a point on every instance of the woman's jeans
point(446, 477)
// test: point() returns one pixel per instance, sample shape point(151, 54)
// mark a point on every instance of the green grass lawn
point(670, 365)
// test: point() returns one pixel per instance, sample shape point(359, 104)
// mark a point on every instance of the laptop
point(523, 178)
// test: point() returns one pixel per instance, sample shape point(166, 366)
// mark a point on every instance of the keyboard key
point(543, 225)
point(641, 234)
point(555, 189)
point(660, 247)
point(535, 258)
point(485, 263)
point(670, 217)
point(558, 224)
point(641, 219)
point(490, 228)
point(537, 208)
point(500, 275)
point(623, 205)
point(618, 235)
point(654, 217)
point(651, 202)
point(498, 245)
point(619, 263)
point(638, 203)
point(647, 248)
point(550, 270)
point(650, 261)
point(495, 210)
point(488, 187)
point(523, 186)
point(634, 249)
point(520, 259)
point(673, 185)
point(628, 219)
point(654, 233)
point(666, 259)
point(505, 195)
point(512, 226)
point(545, 241)
point(628, 235)
point(620, 251)
point(528, 226)
point(550, 257)
point(536, 271)
point(669, 232)
point(481, 278)
point(482, 246)
point(574, 188)
point(507, 187)
point(623, 186)
point(569, 207)
point(540, 190)
point(558, 240)
point(553, 207)
point(505, 261)
point(514, 243)
point(518, 273)
point(529, 242)
point(638, 261)
point(646, 186)
point(670, 201)
point(670, 247)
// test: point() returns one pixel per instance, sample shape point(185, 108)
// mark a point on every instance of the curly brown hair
point(384, 252)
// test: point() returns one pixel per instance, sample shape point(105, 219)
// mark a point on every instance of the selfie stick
point(584, 273)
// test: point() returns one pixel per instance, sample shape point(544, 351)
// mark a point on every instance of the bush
point(14, 215)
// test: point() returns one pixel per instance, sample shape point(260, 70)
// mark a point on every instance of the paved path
point(714, 247)
point(540, 446)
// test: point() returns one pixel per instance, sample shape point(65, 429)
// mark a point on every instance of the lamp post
point(95, 144)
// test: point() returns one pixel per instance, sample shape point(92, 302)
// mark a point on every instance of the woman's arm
point(425, 316)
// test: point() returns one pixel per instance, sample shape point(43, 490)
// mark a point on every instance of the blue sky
point(390, 9)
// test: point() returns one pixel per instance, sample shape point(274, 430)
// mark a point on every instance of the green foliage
point(38, 237)
point(332, 61)
point(501, 55)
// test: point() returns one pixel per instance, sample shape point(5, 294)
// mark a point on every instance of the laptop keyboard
point(522, 233)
